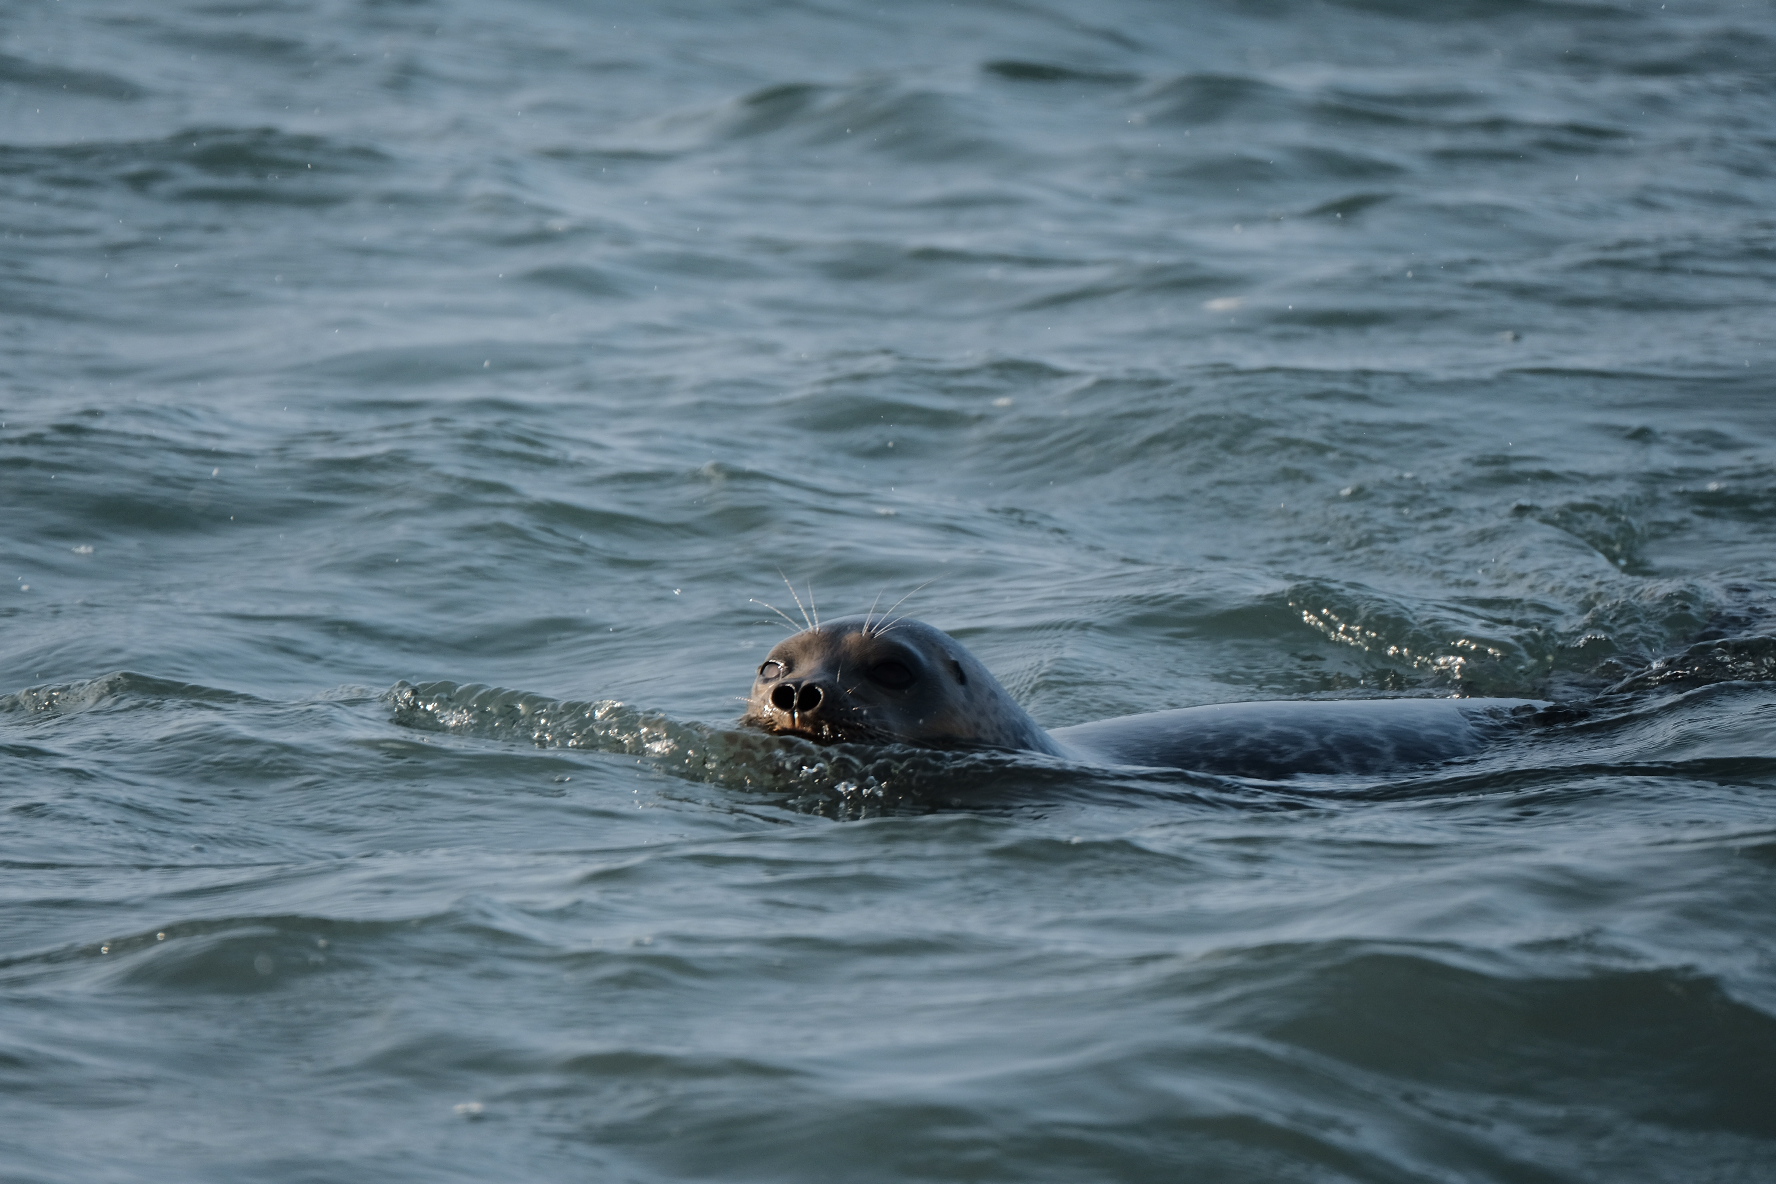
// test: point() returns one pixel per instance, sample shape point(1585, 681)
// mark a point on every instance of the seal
point(869, 681)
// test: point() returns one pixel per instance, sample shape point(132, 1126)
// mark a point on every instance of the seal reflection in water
point(860, 680)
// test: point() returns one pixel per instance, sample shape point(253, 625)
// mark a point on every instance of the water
point(362, 359)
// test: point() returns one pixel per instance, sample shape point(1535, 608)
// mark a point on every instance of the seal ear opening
point(961, 674)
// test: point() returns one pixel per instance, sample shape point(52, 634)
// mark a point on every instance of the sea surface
point(405, 406)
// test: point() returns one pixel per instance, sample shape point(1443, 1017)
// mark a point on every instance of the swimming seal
point(861, 680)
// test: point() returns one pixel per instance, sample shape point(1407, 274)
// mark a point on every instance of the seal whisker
point(812, 607)
point(901, 601)
point(809, 621)
point(776, 610)
point(867, 616)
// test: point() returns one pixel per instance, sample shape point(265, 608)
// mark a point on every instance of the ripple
point(18, 71)
point(221, 164)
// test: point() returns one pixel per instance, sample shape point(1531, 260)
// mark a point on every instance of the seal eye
point(771, 669)
point(892, 675)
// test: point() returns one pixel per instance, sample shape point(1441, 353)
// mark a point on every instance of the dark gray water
point(359, 357)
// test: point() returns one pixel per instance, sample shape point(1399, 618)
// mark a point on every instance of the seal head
point(860, 680)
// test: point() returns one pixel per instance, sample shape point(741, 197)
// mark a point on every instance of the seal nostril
point(783, 697)
point(808, 699)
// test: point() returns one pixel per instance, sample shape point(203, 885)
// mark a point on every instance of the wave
point(873, 114)
point(120, 690)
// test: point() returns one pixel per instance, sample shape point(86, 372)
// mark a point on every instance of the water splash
point(839, 780)
point(847, 780)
